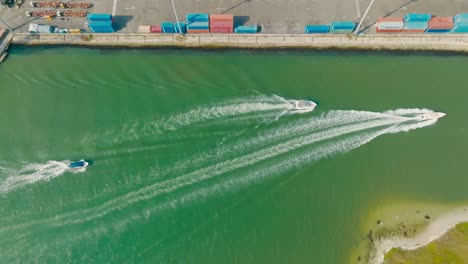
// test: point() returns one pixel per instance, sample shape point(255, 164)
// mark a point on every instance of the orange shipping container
point(390, 19)
point(221, 18)
point(441, 23)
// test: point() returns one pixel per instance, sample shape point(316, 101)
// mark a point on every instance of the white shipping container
point(144, 29)
point(390, 25)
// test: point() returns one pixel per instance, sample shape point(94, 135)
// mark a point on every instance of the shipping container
point(441, 23)
point(167, 27)
point(38, 28)
point(246, 29)
point(416, 25)
point(221, 30)
point(101, 26)
point(417, 17)
point(460, 18)
point(438, 30)
point(198, 31)
point(221, 24)
point(183, 27)
point(390, 25)
point(317, 29)
point(342, 26)
point(222, 17)
point(460, 28)
point(198, 25)
point(387, 30)
point(99, 17)
point(144, 29)
point(196, 17)
point(412, 31)
point(390, 19)
point(155, 29)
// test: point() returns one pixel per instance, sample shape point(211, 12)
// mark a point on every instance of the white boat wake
point(270, 152)
point(12, 179)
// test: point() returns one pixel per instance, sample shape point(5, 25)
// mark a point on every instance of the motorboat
point(432, 115)
point(302, 105)
point(80, 164)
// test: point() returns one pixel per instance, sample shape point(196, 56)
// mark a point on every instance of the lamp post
point(177, 18)
point(363, 17)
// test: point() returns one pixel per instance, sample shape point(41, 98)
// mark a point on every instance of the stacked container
point(167, 27)
point(221, 23)
point(342, 27)
point(100, 23)
point(317, 29)
point(198, 23)
point(180, 27)
point(416, 23)
point(246, 29)
point(389, 25)
point(460, 23)
point(440, 25)
point(156, 29)
point(101, 26)
point(99, 17)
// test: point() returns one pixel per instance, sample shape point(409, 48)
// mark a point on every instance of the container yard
point(331, 17)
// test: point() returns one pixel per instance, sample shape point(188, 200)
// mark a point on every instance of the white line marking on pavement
point(114, 7)
point(358, 9)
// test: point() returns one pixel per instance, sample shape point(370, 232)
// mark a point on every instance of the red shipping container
point(441, 23)
point(221, 17)
point(221, 24)
point(221, 30)
point(390, 19)
point(155, 29)
point(413, 31)
point(197, 31)
point(387, 30)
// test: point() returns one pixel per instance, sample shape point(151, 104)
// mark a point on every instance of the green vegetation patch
point(451, 248)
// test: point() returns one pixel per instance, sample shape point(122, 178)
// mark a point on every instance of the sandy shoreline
point(437, 228)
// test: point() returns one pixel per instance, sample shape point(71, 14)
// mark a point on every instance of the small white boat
point(433, 115)
point(302, 105)
point(81, 164)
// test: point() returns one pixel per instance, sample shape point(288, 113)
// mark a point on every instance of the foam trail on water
point(30, 174)
point(238, 110)
point(292, 137)
point(279, 149)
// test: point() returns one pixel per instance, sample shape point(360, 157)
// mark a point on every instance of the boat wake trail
point(259, 108)
point(11, 179)
point(251, 157)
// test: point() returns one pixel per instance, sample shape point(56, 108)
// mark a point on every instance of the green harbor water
point(197, 156)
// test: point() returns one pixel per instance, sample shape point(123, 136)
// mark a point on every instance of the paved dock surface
point(273, 16)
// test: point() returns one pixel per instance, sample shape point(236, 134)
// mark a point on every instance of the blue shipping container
point(99, 17)
point(417, 17)
point(167, 27)
point(460, 18)
point(438, 30)
point(460, 28)
point(183, 27)
point(342, 26)
point(416, 25)
point(246, 29)
point(101, 26)
point(199, 25)
point(317, 29)
point(195, 17)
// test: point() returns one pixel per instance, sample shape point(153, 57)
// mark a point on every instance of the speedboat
point(302, 105)
point(432, 115)
point(80, 164)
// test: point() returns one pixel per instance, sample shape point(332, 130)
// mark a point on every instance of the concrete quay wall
point(448, 42)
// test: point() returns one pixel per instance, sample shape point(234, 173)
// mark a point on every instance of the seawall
point(447, 42)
